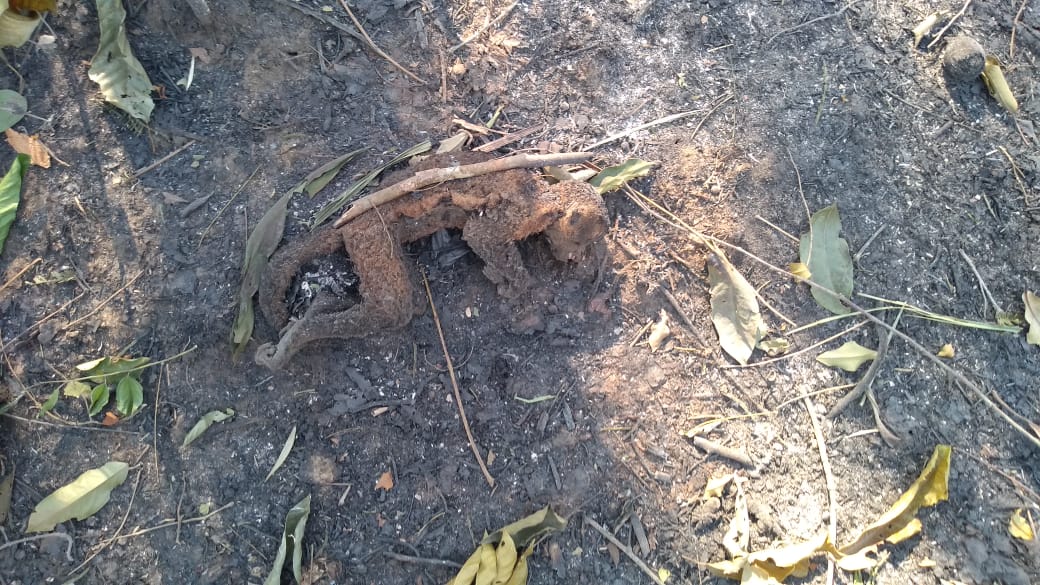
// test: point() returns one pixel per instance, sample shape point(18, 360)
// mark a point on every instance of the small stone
point(964, 59)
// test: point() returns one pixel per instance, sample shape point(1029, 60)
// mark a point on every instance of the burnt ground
point(870, 124)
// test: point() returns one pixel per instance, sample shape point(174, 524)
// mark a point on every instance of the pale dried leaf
point(848, 357)
point(659, 332)
point(262, 242)
point(30, 145)
point(291, 543)
point(114, 68)
point(80, 499)
point(286, 448)
point(1032, 303)
point(734, 309)
point(827, 257)
point(207, 420)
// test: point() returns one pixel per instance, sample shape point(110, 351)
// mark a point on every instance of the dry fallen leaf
point(30, 145)
point(946, 351)
point(929, 489)
point(385, 482)
point(998, 85)
point(1032, 303)
point(1019, 526)
point(659, 332)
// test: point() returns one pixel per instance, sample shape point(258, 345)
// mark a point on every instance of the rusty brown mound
point(493, 211)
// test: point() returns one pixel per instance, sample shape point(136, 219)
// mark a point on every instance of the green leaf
point(734, 309)
point(80, 499)
point(10, 194)
point(123, 80)
point(262, 242)
point(12, 108)
point(98, 399)
point(827, 256)
point(77, 389)
point(848, 357)
point(207, 420)
point(111, 370)
point(51, 402)
point(292, 543)
point(614, 178)
point(1032, 303)
point(284, 454)
point(129, 396)
point(320, 177)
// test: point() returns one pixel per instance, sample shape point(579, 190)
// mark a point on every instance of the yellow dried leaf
point(505, 558)
point(780, 563)
point(946, 351)
point(30, 145)
point(859, 561)
point(800, 270)
point(930, 488)
point(997, 85)
point(717, 485)
point(1019, 527)
point(727, 569)
point(913, 528)
point(927, 563)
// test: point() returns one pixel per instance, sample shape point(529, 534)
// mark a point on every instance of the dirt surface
point(920, 166)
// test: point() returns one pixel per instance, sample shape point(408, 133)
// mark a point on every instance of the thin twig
point(455, 386)
point(226, 205)
point(322, 17)
point(986, 295)
point(625, 549)
point(108, 542)
point(660, 121)
point(487, 25)
point(376, 49)
point(145, 169)
point(730, 453)
point(44, 319)
point(832, 489)
point(1014, 26)
point(66, 537)
point(949, 24)
point(203, 518)
point(812, 21)
point(432, 176)
point(8, 282)
point(98, 307)
point(421, 560)
point(864, 384)
point(777, 228)
point(862, 249)
point(509, 138)
point(788, 356)
point(76, 427)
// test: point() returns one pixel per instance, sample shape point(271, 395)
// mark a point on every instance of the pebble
point(964, 59)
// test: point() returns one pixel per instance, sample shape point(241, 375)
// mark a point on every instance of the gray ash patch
point(331, 276)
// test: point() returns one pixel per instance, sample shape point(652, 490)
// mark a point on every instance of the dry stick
point(78, 427)
point(376, 49)
point(322, 17)
point(98, 307)
point(864, 383)
point(812, 21)
point(660, 121)
point(862, 249)
point(226, 205)
point(145, 169)
point(43, 319)
point(724, 451)
point(19, 274)
point(421, 560)
point(486, 26)
point(832, 489)
point(432, 176)
point(705, 239)
point(625, 549)
point(68, 549)
point(509, 139)
point(142, 531)
point(1014, 26)
point(949, 24)
point(986, 296)
point(455, 386)
point(777, 228)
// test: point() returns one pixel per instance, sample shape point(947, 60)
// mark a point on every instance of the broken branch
point(433, 176)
